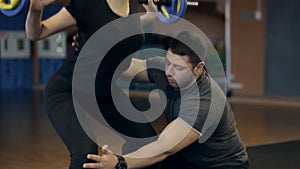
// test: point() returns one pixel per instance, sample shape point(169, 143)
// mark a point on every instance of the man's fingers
point(92, 165)
point(95, 165)
point(94, 157)
point(75, 43)
point(75, 37)
point(151, 2)
point(150, 7)
point(105, 150)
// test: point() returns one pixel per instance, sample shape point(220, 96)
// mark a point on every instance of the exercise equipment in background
point(11, 7)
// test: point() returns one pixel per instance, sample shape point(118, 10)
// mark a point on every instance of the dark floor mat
point(275, 156)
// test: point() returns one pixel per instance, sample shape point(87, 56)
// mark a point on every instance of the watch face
point(121, 163)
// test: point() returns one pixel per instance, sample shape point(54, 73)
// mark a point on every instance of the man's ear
point(198, 69)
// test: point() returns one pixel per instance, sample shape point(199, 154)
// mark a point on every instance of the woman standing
point(88, 16)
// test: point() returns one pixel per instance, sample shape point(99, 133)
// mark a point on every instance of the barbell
point(170, 11)
point(11, 7)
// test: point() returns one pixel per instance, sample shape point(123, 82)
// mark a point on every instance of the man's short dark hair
point(194, 40)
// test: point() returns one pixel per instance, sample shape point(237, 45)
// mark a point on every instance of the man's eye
point(179, 67)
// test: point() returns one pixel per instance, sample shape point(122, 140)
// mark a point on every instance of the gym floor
point(28, 141)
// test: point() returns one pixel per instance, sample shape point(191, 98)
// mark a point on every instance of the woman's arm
point(37, 29)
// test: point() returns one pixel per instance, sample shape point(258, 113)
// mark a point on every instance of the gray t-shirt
point(204, 107)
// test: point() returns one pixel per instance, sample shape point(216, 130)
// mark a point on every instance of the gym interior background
point(257, 41)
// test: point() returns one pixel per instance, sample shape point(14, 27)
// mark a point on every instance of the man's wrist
point(121, 162)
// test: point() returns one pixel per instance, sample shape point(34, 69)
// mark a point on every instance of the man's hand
point(150, 7)
point(106, 161)
point(75, 43)
point(151, 12)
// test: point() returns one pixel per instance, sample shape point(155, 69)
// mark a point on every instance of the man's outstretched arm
point(175, 137)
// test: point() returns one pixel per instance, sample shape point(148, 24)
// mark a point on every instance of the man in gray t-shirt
point(201, 131)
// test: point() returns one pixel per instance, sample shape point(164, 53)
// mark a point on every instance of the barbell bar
point(170, 11)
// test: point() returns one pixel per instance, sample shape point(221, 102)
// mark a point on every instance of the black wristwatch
point(121, 163)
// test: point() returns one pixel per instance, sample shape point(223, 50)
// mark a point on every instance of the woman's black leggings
point(60, 110)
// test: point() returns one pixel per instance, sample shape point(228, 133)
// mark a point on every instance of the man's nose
point(169, 70)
